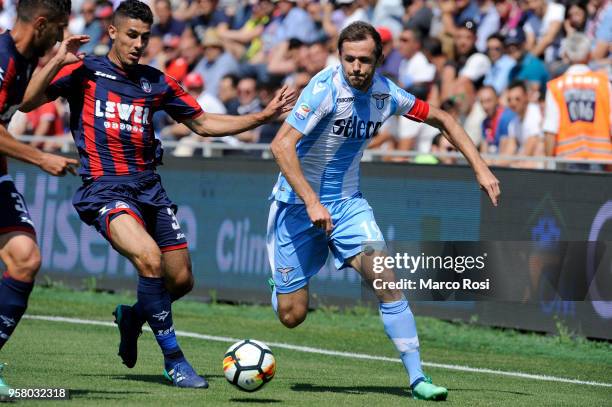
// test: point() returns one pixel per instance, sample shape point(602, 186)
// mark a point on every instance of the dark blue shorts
point(140, 196)
point(14, 215)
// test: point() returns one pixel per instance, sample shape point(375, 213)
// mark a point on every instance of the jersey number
point(175, 222)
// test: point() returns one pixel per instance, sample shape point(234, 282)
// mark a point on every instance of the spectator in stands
point(195, 86)
point(578, 119)
point(461, 80)
point(265, 93)
point(600, 29)
point(88, 24)
point(501, 64)
point(439, 144)
point(208, 16)
point(318, 57)
point(249, 103)
point(415, 71)
point(216, 62)
point(417, 16)
point(544, 28)
point(455, 13)
point(166, 24)
point(288, 57)
point(289, 22)
point(189, 55)
point(498, 118)
point(528, 67)
point(576, 17)
point(321, 15)
point(393, 58)
point(510, 14)
point(353, 11)
point(245, 43)
point(525, 130)
point(228, 93)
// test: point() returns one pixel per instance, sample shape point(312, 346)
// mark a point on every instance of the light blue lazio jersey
point(338, 122)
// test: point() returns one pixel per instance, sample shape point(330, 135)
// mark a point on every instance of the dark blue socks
point(155, 303)
point(14, 296)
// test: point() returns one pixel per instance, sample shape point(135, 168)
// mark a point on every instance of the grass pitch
point(83, 359)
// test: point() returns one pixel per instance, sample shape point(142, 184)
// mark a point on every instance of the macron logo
point(105, 75)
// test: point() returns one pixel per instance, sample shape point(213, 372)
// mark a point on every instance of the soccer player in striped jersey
point(39, 25)
point(112, 101)
point(317, 205)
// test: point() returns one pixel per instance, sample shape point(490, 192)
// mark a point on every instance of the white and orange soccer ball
point(249, 365)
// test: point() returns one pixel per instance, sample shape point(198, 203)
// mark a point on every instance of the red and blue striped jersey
point(111, 113)
point(15, 73)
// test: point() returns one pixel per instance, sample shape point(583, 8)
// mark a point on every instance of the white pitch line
point(319, 351)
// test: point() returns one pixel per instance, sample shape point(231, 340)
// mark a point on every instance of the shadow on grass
point(103, 394)
point(388, 390)
point(145, 378)
point(251, 400)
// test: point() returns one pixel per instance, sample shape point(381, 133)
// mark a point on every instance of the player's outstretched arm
point(283, 149)
point(216, 125)
point(51, 163)
point(68, 53)
point(453, 131)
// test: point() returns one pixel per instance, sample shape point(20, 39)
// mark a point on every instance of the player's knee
point(183, 284)
point(292, 318)
point(25, 262)
point(148, 262)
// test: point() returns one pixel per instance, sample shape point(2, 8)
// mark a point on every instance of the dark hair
point(417, 34)
point(497, 36)
point(436, 140)
point(359, 31)
point(232, 77)
point(134, 9)
point(432, 46)
point(27, 10)
point(483, 87)
point(518, 84)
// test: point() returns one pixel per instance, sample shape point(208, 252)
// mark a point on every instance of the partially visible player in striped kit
point(112, 101)
point(40, 24)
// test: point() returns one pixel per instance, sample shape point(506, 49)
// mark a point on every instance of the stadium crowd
point(487, 62)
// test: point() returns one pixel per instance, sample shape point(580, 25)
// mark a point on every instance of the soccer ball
point(249, 364)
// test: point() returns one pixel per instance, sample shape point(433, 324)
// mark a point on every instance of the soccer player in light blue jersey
point(317, 205)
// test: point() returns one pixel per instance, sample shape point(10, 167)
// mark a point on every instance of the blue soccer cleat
point(130, 329)
point(183, 375)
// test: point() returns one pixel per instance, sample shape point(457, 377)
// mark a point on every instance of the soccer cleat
point(129, 331)
point(426, 390)
point(183, 375)
point(4, 388)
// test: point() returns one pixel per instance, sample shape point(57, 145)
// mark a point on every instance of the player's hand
point(283, 102)
point(68, 52)
point(58, 165)
point(320, 217)
point(488, 183)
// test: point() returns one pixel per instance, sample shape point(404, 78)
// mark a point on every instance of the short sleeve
point(409, 106)
point(179, 104)
point(66, 82)
point(476, 67)
point(314, 103)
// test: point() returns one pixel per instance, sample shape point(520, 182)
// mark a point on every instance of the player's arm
point(453, 131)
point(216, 125)
point(51, 163)
point(284, 150)
point(35, 94)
